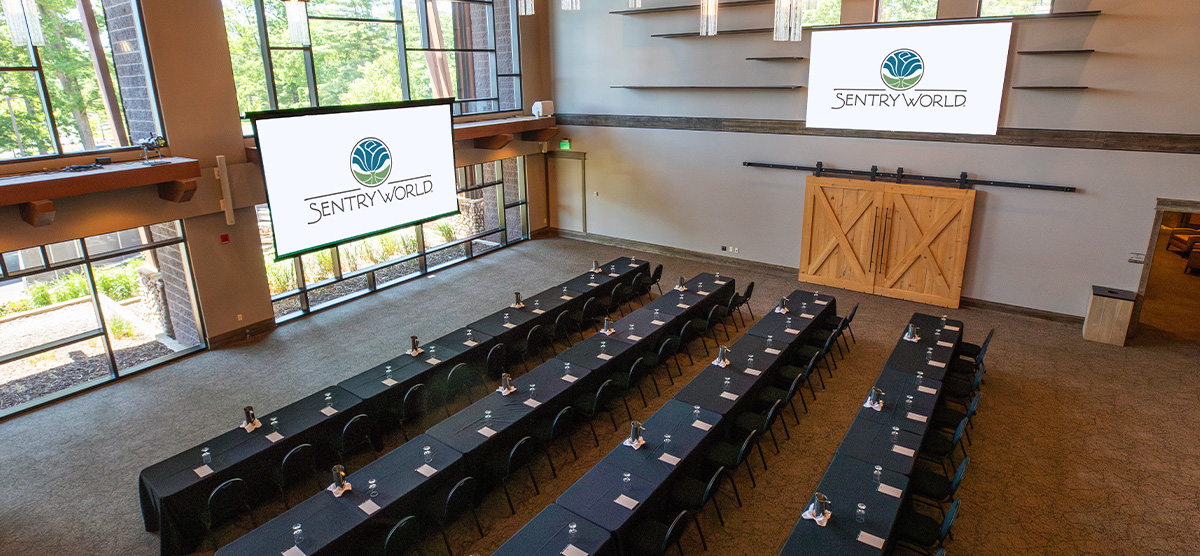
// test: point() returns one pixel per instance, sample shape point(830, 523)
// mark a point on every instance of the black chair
point(790, 372)
point(947, 418)
point(730, 456)
point(460, 499)
point(822, 336)
point(403, 538)
point(743, 300)
point(939, 447)
point(227, 501)
point(618, 300)
point(589, 315)
point(557, 428)
point(934, 489)
point(462, 378)
point(849, 320)
point(685, 337)
point(924, 532)
point(356, 435)
point(561, 329)
point(497, 358)
point(521, 454)
point(975, 352)
point(769, 394)
point(667, 350)
point(710, 325)
point(633, 379)
point(642, 286)
point(652, 538)
point(762, 423)
point(822, 350)
point(299, 465)
point(414, 404)
point(534, 343)
point(959, 390)
point(591, 404)
point(692, 494)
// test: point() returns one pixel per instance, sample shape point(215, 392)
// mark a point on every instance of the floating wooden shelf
point(720, 87)
point(1051, 87)
point(719, 33)
point(776, 58)
point(1069, 51)
point(690, 8)
point(487, 128)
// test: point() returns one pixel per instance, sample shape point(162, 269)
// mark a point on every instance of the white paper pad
point(926, 390)
point(806, 316)
point(702, 425)
point(682, 305)
point(293, 551)
point(389, 382)
point(668, 459)
point(790, 331)
point(937, 364)
point(328, 411)
point(772, 351)
point(433, 360)
point(203, 471)
point(626, 501)
point(274, 437)
point(538, 311)
point(867, 538)
point(890, 490)
point(613, 274)
point(702, 292)
point(509, 325)
point(570, 550)
point(634, 265)
point(426, 470)
point(566, 297)
point(719, 282)
point(570, 378)
point(593, 284)
point(918, 418)
point(472, 343)
point(729, 396)
point(487, 431)
point(945, 344)
point(821, 302)
point(948, 327)
point(633, 337)
point(657, 322)
point(604, 356)
point(369, 507)
point(752, 372)
point(532, 402)
point(903, 451)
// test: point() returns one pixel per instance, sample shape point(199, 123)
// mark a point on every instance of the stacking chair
point(619, 299)
point(809, 350)
point(724, 454)
point(561, 329)
point(770, 394)
point(589, 405)
point(356, 435)
point(414, 405)
point(521, 455)
point(946, 417)
point(299, 465)
point(762, 423)
point(462, 378)
point(939, 447)
point(642, 287)
point(652, 538)
point(629, 380)
point(934, 489)
point(727, 310)
point(403, 538)
point(743, 300)
point(533, 344)
point(669, 349)
point(496, 358)
point(834, 320)
point(823, 336)
point(710, 325)
point(790, 372)
point(924, 532)
point(959, 390)
point(229, 500)
point(589, 315)
point(975, 352)
point(692, 494)
point(686, 335)
point(553, 430)
point(460, 499)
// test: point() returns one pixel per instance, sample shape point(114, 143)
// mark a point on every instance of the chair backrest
point(636, 282)
point(958, 475)
point(495, 359)
point(977, 379)
point(674, 531)
point(850, 317)
point(812, 364)
point(535, 339)
point(657, 274)
point(403, 537)
point(522, 452)
point(299, 463)
point(604, 395)
point(460, 376)
point(948, 521)
point(974, 405)
point(732, 290)
point(983, 347)
point(796, 384)
point(635, 371)
point(414, 402)
point(958, 432)
point(227, 500)
point(772, 414)
point(749, 292)
point(833, 336)
point(560, 324)
point(713, 485)
point(746, 445)
point(461, 497)
point(561, 421)
point(591, 308)
point(668, 347)
point(356, 433)
point(713, 316)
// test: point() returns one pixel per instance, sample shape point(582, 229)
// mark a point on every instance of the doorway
point(1170, 292)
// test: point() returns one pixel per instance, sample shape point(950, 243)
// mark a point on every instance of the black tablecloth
point(644, 328)
point(586, 354)
point(465, 430)
point(670, 303)
point(494, 324)
point(871, 442)
point(452, 349)
point(675, 418)
point(173, 496)
point(909, 357)
point(593, 496)
point(547, 535)
point(551, 301)
point(896, 387)
point(337, 525)
point(847, 483)
point(775, 324)
point(707, 390)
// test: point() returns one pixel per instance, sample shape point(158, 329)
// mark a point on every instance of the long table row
point(603, 506)
point(468, 442)
point(915, 369)
point(174, 492)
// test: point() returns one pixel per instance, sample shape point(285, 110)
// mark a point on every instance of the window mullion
point(44, 91)
point(264, 44)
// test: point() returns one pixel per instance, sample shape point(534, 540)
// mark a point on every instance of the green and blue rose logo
point(370, 162)
point(902, 69)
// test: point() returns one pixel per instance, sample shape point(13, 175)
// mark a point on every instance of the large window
point(1014, 7)
point(73, 78)
point(81, 312)
point(907, 10)
point(492, 214)
point(822, 12)
point(375, 51)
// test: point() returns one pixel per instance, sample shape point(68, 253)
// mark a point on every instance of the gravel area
point(70, 366)
point(26, 332)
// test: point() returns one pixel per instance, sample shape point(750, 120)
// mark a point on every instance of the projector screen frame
point(254, 117)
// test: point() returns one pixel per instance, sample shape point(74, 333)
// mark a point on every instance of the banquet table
point(821, 308)
point(896, 386)
point(587, 354)
point(547, 534)
point(909, 356)
point(871, 441)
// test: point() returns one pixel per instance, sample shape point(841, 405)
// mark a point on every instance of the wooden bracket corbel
point(38, 213)
point(494, 142)
point(539, 135)
point(177, 191)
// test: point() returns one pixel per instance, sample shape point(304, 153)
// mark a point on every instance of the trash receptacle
point(1108, 315)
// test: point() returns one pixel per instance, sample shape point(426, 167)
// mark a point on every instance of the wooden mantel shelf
point(35, 193)
point(467, 131)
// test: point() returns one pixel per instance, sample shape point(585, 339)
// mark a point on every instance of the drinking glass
point(387, 371)
point(328, 399)
point(656, 314)
point(627, 481)
point(788, 324)
point(631, 330)
point(750, 361)
point(274, 424)
point(726, 384)
point(371, 492)
point(895, 435)
point(696, 412)
point(943, 321)
point(433, 352)
point(612, 268)
point(297, 535)
point(803, 308)
point(770, 341)
point(860, 515)
point(700, 286)
point(929, 354)
point(564, 290)
point(427, 453)
point(536, 303)
point(937, 335)
point(205, 455)
point(718, 276)
point(505, 318)
point(566, 368)
point(603, 348)
point(920, 377)
point(908, 400)
point(470, 335)
point(532, 391)
point(572, 530)
point(878, 474)
point(666, 441)
point(487, 417)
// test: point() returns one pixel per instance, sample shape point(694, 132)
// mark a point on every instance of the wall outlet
point(724, 247)
point(239, 317)
point(1137, 258)
point(735, 249)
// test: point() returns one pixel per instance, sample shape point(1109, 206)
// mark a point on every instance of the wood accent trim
point(494, 142)
point(234, 336)
point(540, 135)
point(177, 191)
point(1055, 138)
point(485, 128)
point(972, 303)
point(26, 188)
point(38, 213)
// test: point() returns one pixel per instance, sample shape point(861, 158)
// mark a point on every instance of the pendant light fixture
point(708, 18)
point(524, 7)
point(789, 17)
point(24, 23)
point(297, 16)
point(570, 5)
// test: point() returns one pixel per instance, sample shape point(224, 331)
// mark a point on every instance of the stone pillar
point(154, 301)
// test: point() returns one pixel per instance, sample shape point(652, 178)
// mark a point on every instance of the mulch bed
point(81, 369)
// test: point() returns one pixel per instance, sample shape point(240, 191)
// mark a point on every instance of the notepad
point(593, 284)
point(657, 322)
point(917, 418)
point(633, 338)
point(668, 459)
point(626, 501)
point(903, 451)
point(890, 490)
point(293, 551)
point(790, 331)
point(274, 437)
point(426, 470)
point(702, 425)
point(538, 311)
point(729, 396)
point(937, 364)
point(509, 325)
point(566, 297)
point(433, 360)
point(369, 507)
point(389, 382)
point(487, 431)
point(470, 343)
point(604, 356)
point(634, 265)
point(821, 302)
point(719, 282)
point(570, 378)
point(682, 305)
point(701, 292)
point(752, 372)
point(613, 274)
point(945, 344)
point(570, 550)
point(806, 316)
point(328, 411)
point(532, 402)
point(867, 538)
point(203, 471)
point(772, 351)
point(926, 390)
point(948, 327)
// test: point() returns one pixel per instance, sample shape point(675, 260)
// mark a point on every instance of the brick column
point(129, 61)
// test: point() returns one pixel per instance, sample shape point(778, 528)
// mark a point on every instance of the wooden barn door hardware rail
point(899, 176)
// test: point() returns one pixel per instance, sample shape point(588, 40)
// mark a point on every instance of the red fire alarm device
point(224, 239)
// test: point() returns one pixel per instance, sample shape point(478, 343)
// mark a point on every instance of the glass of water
point(878, 474)
point(627, 481)
point(573, 530)
point(328, 399)
point(860, 515)
point(908, 401)
point(371, 491)
point(297, 535)
point(274, 424)
point(427, 453)
point(727, 384)
point(895, 435)
point(205, 455)
point(566, 368)
point(696, 412)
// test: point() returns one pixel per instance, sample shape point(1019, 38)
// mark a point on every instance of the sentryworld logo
point(370, 162)
point(902, 69)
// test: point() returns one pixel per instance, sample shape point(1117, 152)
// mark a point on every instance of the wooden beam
point(494, 142)
point(38, 213)
point(27, 188)
point(177, 191)
point(540, 135)
point(484, 128)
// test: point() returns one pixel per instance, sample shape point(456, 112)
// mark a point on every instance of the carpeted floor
point(1079, 447)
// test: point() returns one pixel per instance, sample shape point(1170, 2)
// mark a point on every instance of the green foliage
point(445, 230)
point(120, 282)
point(318, 266)
point(907, 10)
point(1013, 7)
point(119, 327)
point(826, 12)
point(281, 276)
point(66, 288)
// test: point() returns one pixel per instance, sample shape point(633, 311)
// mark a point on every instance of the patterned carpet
point(1079, 448)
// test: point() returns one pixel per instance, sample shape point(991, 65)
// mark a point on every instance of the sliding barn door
point(840, 232)
point(923, 251)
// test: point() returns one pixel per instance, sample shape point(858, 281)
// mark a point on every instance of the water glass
point(328, 399)
point(593, 278)
point(929, 354)
point(937, 335)
point(718, 276)
point(666, 441)
point(789, 319)
point(603, 348)
point(536, 303)
point(895, 435)
point(566, 368)
point(572, 531)
point(532, 391)
point(803, 308)
point(750, 361)
point(696, 412)
point(681, 297)
point(274, 424)
point(770, 341)
point(371, 492)
point(700, 286)
point(878, 474)
point(860, 515)
point(656, 314)
point(943, 321)
point(427, 453)
point(564, 290)
point(433, 352)
point(470, 335)
point(908, 402)
point(612, 268)
point(387, 371)
point(505, 318)
point(487, 417)
point(205, 455)
point(726, 384)
point(627, 481)
point(297, 535)
point(920, 377)
point(631, 330)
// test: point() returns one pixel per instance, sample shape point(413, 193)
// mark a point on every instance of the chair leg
point(696, 519)
point(532, 479)
point(595, 438)
point(550, 460)
point(750, 471)
point(507, 497)
point(571, 443)
point(718, 508)
point(478, 527)
point(773, 441)
point(784, 421)
point(751, 309)
point(627, 412)
point(851, 330)
point(640, 391)
point(804, 403)
point(760, 455)
point(657, 392)
point(613, 419)
point(667, 369)
point(736, 495)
